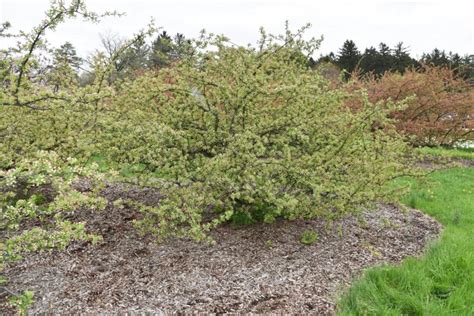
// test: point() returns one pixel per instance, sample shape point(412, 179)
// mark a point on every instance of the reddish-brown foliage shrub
point(439, 105)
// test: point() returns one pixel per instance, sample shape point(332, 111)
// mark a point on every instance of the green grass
point(442, 281)
point(465, 153)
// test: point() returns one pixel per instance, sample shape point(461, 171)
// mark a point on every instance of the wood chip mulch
point(432, 162)
point(251, 269)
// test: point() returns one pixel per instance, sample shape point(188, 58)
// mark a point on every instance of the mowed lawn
point(442, 281)
point(464, 153)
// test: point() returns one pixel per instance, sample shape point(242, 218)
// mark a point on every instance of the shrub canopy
point(254, 132)
point(225, 131)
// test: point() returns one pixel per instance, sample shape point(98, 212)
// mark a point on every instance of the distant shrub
point(439, 105)
point(330, 71)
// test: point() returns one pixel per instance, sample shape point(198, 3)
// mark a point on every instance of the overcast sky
point(422, 24)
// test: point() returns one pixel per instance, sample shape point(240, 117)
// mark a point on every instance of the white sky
point(421, 24)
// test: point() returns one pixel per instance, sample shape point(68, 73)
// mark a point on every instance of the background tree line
point(166, 49)
point(379, 60)
point(162, 51)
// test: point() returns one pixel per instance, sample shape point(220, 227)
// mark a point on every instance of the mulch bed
point(251, 269)
point(433, 162)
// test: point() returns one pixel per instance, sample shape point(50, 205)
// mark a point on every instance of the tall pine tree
point(348, 57)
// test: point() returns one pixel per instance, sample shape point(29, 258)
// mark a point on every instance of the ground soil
point(433, 162)
point(251, 269)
